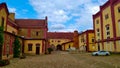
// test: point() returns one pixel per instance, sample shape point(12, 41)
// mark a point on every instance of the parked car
point(106, 53)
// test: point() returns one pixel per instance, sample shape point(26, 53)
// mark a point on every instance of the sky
point(63, 15)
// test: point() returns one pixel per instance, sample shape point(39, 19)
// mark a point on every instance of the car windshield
point(102, 51)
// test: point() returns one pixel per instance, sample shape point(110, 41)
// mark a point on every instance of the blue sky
point(63, 15)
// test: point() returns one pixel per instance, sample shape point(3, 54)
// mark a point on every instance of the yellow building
point(34, 33)
point(7, 22)
point(32, 36)
point(67, 45)
point(86, 41)
point(106, 26)
point(56, 39)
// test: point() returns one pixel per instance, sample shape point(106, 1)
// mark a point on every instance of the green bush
point(4, 62)
point(16, 48)
point(50, 50)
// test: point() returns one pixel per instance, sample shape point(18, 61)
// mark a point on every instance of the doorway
point(59, 47)
point(98, 47)
point(37, 49)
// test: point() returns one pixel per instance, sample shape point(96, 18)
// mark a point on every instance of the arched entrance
point(59, 47)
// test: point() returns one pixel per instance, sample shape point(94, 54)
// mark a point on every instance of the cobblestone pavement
point(65, 60)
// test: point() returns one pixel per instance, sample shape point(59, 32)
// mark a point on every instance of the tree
point(1, 41)
point(16, 48)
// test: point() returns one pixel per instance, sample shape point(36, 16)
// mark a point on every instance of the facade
point(106, 26)
point(86, 41)
point(67, 45)
point(7, 23)
point(32, 33)
point(56, 39)
point(76, 40)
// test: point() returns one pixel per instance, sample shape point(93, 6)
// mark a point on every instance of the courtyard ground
point(66, 60)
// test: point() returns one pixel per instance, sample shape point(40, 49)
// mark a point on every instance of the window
point(97, 21)
point(37, 33)
point(98, 34)
point(106, 16)
point(52, 40)
point(108, 33)
point(30, 47)
point(2, 24)
point(92, 40)
point(118, 9)
point(107, 27)
point(58, 40)
point(98, 30)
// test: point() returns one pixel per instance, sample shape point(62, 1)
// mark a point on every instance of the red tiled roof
point(23, 23)
point(60, 35)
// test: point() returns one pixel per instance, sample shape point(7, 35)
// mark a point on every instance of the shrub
point(50, 50)
point(16, 48)
point(4, 62)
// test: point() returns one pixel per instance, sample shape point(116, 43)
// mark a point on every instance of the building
point(76, 39)
point(10, 29)
point(32, 33)
point(56, 39)
point(86, 41)
point(107, 26)
point(67, 45)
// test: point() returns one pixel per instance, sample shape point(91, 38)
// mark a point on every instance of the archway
point(59, 47)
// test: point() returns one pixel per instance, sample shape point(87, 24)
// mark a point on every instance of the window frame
point(30, 46)
point(106, 16)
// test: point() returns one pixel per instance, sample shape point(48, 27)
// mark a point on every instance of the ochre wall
point(68, 44)
point(109, 46)
point(11, 29)
point(12, 16)
point(92, 46)
point(107, 10)
point(97, 26)
point(81, 42)
point(34, 42)
point(4, 15)
point(118, 46)
point(55, 42)
point(31, 33)
point(117, 18)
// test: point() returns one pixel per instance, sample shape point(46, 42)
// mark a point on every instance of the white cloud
point(57, 26)
point(62, 11)
point(12, 10)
